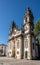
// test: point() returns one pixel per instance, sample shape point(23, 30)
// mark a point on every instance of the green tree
point(37, 29)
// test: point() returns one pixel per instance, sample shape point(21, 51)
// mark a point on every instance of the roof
point(3, 45)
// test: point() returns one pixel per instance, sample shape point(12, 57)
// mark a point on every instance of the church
point(22, 43)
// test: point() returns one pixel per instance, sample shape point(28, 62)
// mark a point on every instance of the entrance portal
point(25, 54)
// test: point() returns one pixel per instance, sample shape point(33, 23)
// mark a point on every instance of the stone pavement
point(12, 61)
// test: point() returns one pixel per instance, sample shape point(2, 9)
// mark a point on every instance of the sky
point(14, 10)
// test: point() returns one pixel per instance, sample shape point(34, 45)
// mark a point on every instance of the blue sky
point(14, 10)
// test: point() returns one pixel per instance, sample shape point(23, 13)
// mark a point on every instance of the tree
point(37, 29)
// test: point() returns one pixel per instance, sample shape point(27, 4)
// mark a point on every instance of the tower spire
point(28, 16)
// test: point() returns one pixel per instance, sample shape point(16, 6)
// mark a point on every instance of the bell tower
point(28, 16)
point(28, 33)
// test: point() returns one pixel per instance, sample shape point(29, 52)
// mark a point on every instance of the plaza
point(11, 61)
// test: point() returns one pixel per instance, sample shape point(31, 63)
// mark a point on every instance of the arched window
point(25, 19)
point(18, 44)
point(26, 43)
point(33, 46)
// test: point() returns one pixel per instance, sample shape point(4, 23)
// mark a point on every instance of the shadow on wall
point(39, 52)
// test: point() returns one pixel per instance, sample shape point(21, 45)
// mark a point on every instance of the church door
point(25, 54)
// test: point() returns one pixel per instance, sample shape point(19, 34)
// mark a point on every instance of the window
point(36, 51)
point(10, 45)
point(18, 44)
point(33, 45)
point(17, 52)
point(27, 19)
point(32, 40)
point(26, 43)
point(10, 52)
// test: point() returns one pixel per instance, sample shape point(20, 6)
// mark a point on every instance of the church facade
point(21, 42)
